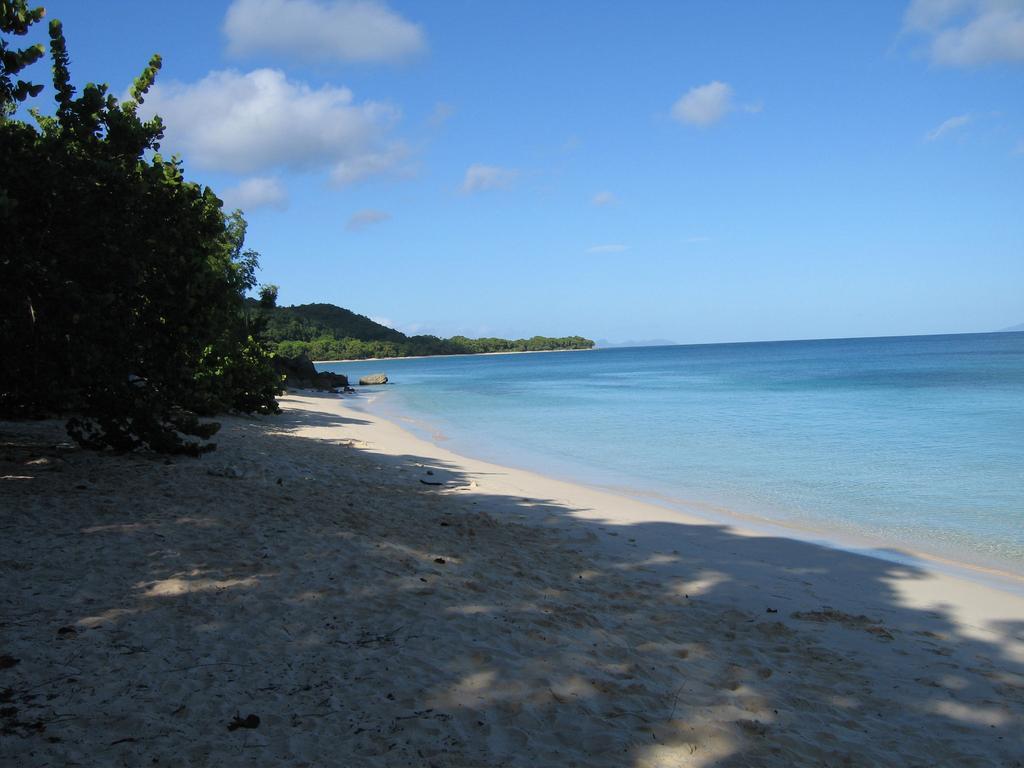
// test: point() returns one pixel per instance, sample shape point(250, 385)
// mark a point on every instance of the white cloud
point(441, 114)
point(346, 30)
point(698, 239)
point(482, 177)
point(609, 248)
point(604, 198)
point(256, 192)
point(360, 220)
point(947, 126)
point(704, 104)
point(969, 32)
point(260, 120)
point(930, 14)
point(388, 160)
point(1019, 149)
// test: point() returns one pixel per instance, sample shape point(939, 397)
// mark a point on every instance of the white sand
point(295, 574)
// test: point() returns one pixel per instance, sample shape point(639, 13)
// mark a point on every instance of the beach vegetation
point(122, 283)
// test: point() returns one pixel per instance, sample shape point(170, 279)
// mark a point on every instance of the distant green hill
point(306, 322)
point(328, 332)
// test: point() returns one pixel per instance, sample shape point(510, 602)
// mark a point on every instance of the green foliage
point(307, 322)
point(237, 376)
point(15, 19)
point(327, 332)
point(121, 283)
point(268, 296)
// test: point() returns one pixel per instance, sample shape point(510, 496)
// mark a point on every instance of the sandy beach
point(328, 589)
point(461, 354)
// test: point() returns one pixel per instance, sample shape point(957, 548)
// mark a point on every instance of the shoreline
point(711, 512)
point(976, 594)
point(460, 354)
point(877, 547)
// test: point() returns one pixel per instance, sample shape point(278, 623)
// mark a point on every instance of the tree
point(268, 296)
point(15, 19)
point(122, 284)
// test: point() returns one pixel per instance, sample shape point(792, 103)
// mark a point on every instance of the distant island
point(1012, 328)
point(329, 332)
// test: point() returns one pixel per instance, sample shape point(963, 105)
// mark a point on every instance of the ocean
point(905, 442)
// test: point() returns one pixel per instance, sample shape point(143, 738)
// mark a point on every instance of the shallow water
point(917, 441)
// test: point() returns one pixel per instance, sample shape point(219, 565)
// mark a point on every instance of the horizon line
point(824, 338)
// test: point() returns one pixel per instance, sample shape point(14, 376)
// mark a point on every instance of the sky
point(699, 171)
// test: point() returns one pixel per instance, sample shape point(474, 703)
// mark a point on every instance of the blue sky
point(703, 172)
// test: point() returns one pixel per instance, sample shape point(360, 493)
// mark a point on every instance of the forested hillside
point(327, 332)
point(307, 322)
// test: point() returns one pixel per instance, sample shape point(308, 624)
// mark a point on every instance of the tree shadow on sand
point(368, 618)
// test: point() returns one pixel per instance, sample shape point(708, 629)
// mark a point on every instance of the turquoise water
point(915, 441)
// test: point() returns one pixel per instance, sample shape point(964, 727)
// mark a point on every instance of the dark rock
point(300, 367)
point(300, 373)
point(251, 721)
point(373, 378)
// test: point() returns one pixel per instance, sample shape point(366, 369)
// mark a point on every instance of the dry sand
point(310, 573)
